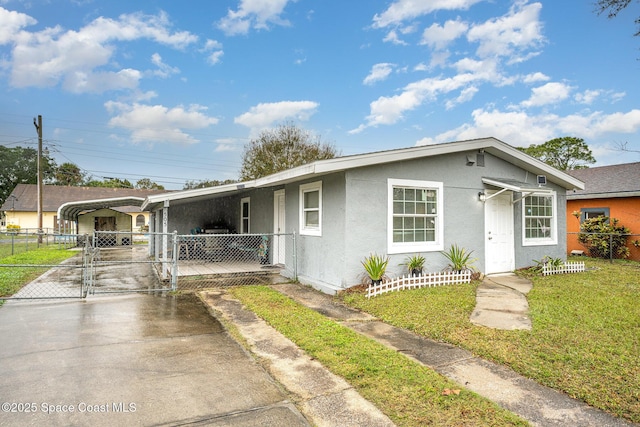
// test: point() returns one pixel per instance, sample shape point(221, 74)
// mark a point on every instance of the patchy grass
point(585, 339)
point(14, 278)
point(408, 392)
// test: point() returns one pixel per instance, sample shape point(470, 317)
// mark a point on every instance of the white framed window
point(540, 223)
point(311, 209)
point(415, 216)
point(245, 215)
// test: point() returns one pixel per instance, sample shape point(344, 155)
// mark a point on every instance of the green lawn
point(14, 278)
point(408, 392)
point(585, 339)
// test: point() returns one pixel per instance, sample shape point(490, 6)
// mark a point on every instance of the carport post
point(174, 267)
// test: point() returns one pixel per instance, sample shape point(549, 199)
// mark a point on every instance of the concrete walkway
point(540, 405)
point(501, 303)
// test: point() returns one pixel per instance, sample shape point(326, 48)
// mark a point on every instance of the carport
point(100, 213)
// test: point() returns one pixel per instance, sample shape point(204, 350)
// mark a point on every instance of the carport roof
point(71, 210)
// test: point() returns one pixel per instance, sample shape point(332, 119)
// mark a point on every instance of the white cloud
point(511, 34)
point(521, 129)
point(76, 58)
point(392, 37)
point(215, 49)
point(228, 144)
point(439, 36)
point(378, 73)
point(264, 115)
point(402, 10)
point(11, 22)
point(164, 70)
point(257, 14)
point(466, 95)
point(389, 110)
point(550, 93)
point(535, 77)
point(587, 97)
point(157, 123)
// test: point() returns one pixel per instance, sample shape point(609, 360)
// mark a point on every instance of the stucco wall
point(364, 229)
point(320, 259)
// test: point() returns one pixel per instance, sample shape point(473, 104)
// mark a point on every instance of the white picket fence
point(427, 280)
point(567, 267)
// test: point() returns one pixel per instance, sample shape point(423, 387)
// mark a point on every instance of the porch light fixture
point(482, 197)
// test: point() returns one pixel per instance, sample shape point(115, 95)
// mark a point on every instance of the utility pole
point(38, 126)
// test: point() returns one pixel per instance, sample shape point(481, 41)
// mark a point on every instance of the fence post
point(295, 258)
point(611, 248)
point(174, 267)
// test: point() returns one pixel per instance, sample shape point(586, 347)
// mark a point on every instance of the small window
point(415, 216)
point(589, 213)
point(245, 215)
point(539, 220)
point(311, 209)
point(140, 221)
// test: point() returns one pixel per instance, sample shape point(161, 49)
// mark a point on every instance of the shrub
point(459, 258)
point(375, 266)
point(604, 237)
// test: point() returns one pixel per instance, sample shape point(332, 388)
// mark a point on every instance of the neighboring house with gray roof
point(483, 195)
point(611, 191)
point(21, 205)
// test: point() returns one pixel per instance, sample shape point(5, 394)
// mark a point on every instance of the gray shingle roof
point(608, 181)
point(55, 195)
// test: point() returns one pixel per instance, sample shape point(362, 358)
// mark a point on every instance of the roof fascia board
point(612, 195)
point(198, 192)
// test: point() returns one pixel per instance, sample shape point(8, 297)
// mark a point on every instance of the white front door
point(498, 230)
point(279, 239)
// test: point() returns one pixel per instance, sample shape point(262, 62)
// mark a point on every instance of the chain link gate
point(110, 262)
point(121, 262)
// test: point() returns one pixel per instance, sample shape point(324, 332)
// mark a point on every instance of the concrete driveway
point(130, 360)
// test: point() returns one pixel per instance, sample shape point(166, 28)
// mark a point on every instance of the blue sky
point(173, 90)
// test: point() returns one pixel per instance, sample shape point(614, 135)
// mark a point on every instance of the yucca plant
point(375, 266)
point(415, 264)
point(459, 258)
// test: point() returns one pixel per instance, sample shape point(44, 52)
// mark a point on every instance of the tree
point(191, 185)
point(282, 148)
point(612, 8)
point(20, 166)
point(565, 153)
point(69, 174)
point(110, 183)
point(147, 184)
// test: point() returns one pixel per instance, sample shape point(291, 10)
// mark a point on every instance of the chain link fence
point(120, 262)
point(13, 242)
point(222, 260)
point(605, 245)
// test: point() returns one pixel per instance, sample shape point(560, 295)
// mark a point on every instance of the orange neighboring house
point(612, 191)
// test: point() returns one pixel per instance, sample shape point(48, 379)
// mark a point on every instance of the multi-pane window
point(311, 209)
point(539, 218)
point(415, 216)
